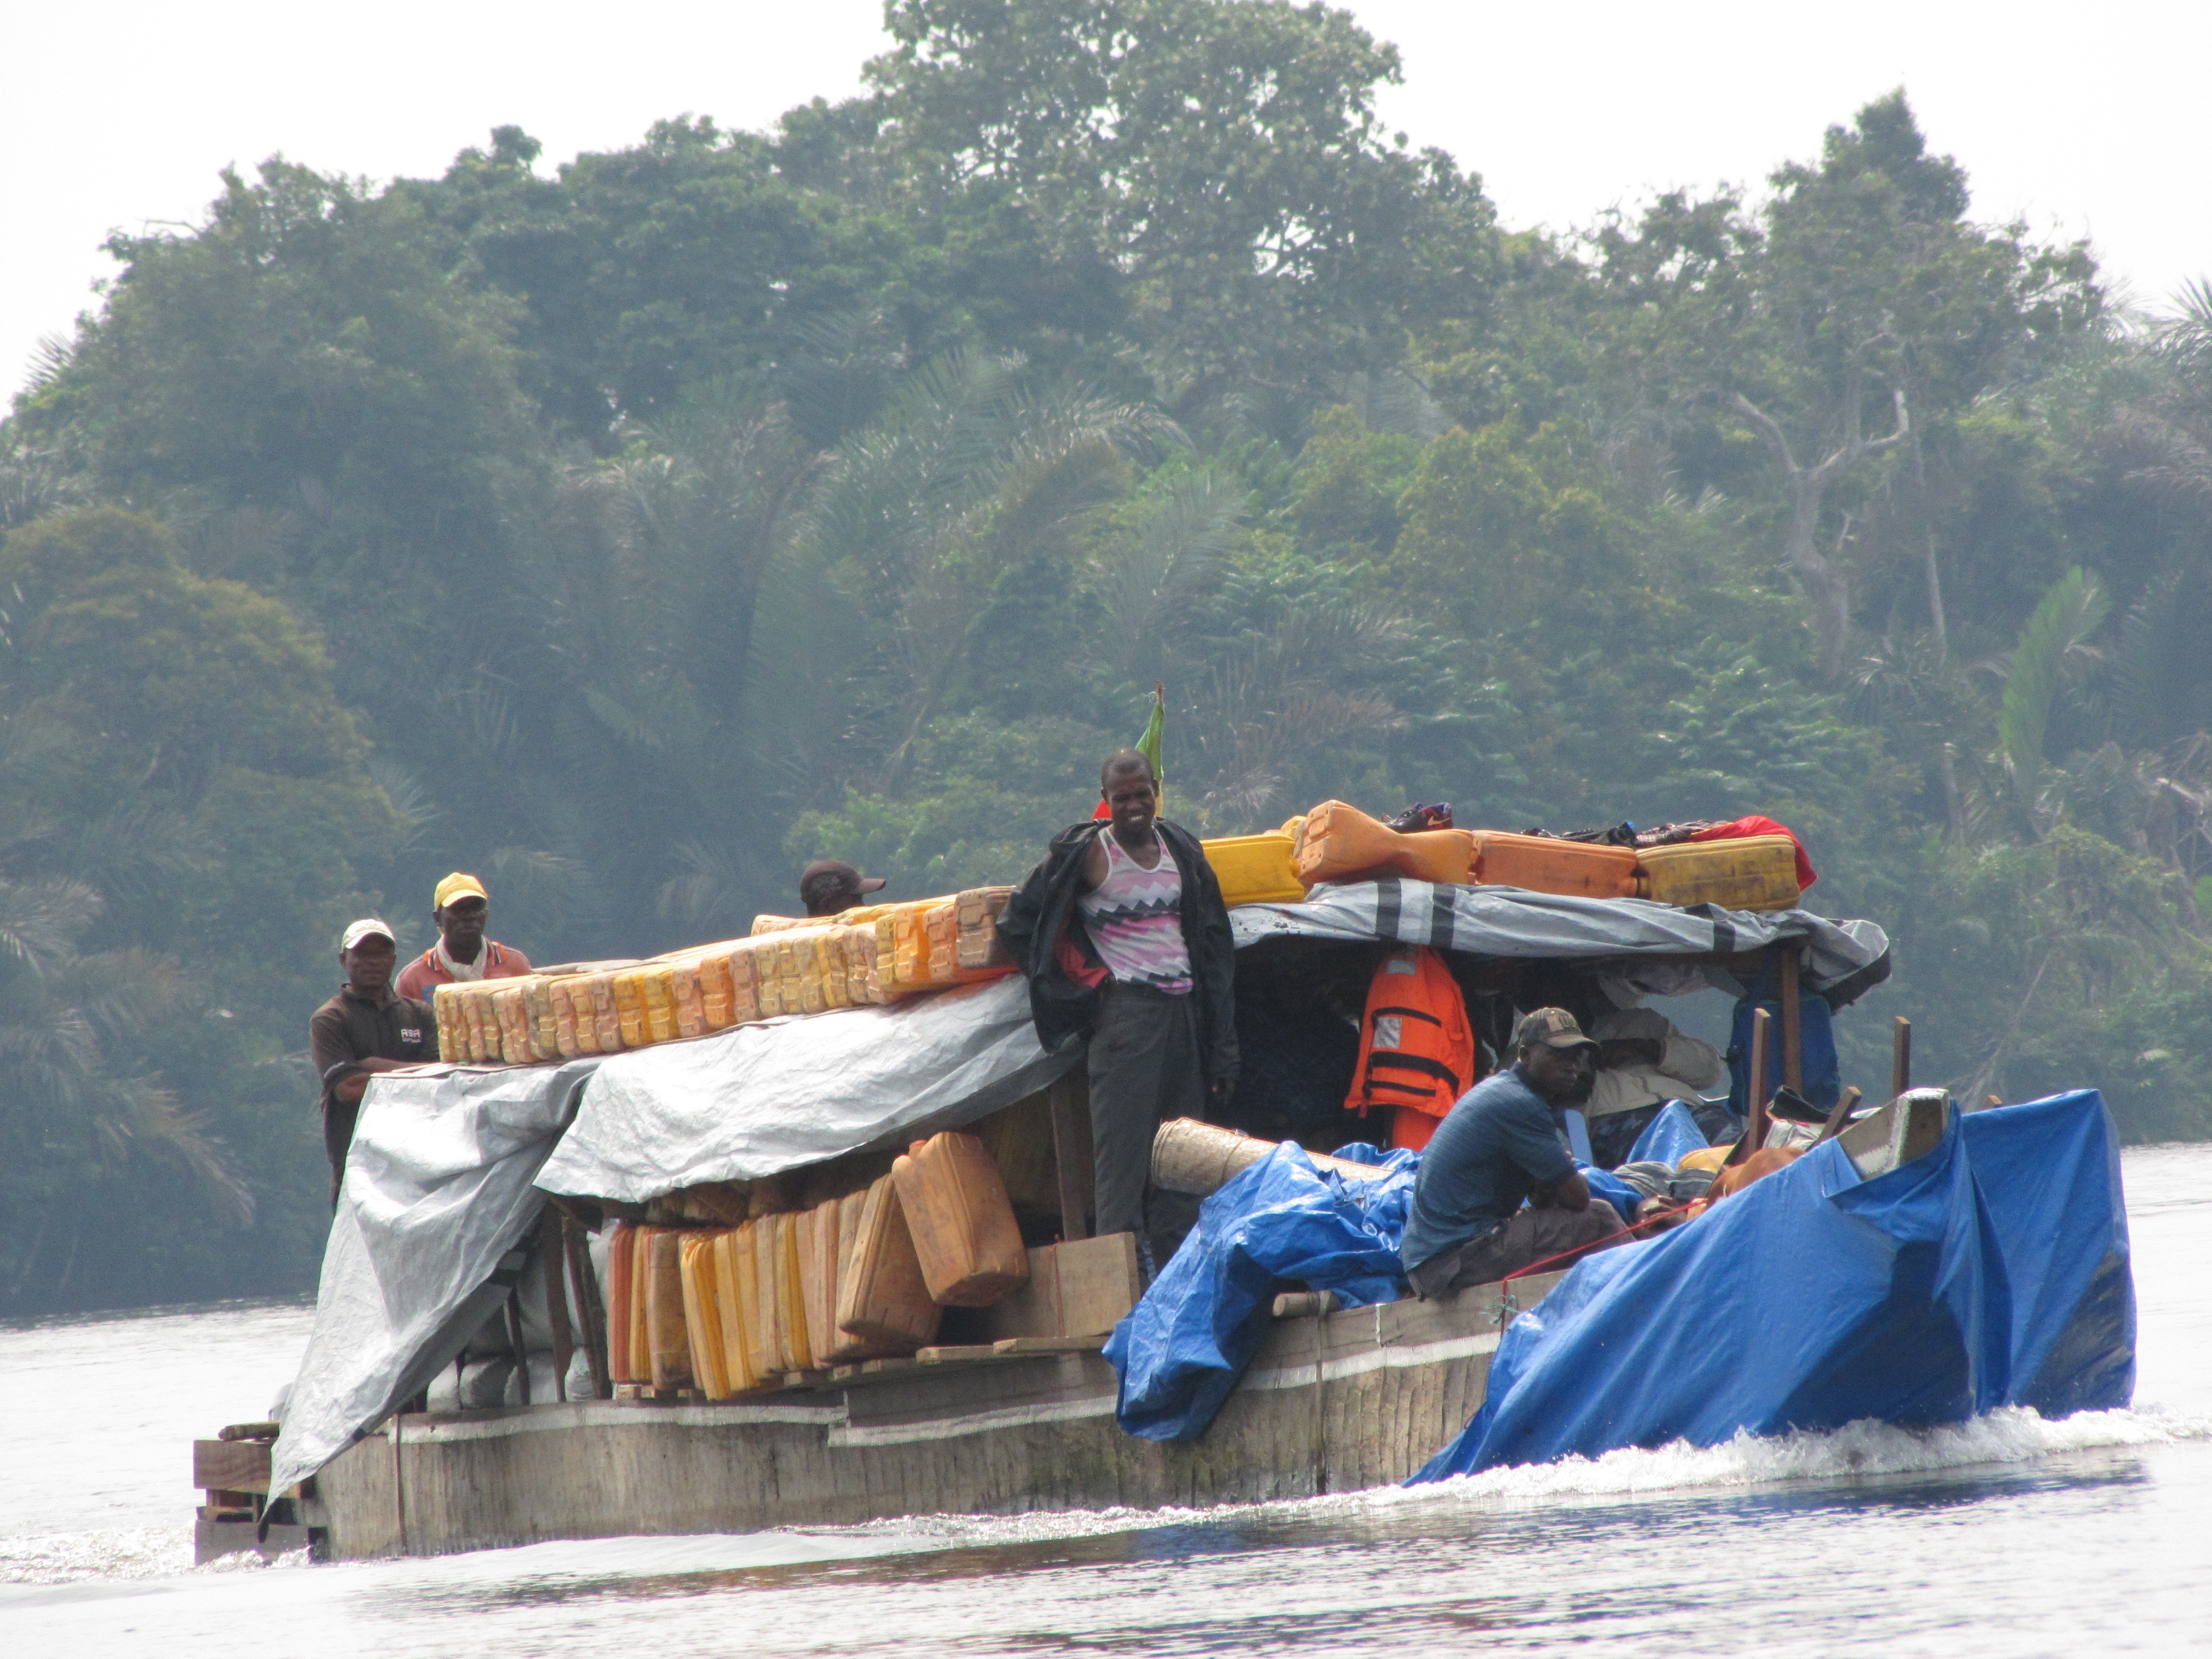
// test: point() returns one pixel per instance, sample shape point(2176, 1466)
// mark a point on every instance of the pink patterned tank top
point(1135, 919)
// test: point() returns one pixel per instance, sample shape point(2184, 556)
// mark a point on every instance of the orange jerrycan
point(881, 1296)
point(1338, 843)
point(702, 1316)
point(667, 1340)
point(817, 1277)
point(622, 1245)
point(1543, 863)
point(729, 1311)
point(964, 1232)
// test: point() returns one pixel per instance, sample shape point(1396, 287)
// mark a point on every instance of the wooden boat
point(1336, 1401)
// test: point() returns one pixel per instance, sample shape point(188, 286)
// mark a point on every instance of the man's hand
point(349, 1089)
point(1221, 1088)
point(1571, 1193)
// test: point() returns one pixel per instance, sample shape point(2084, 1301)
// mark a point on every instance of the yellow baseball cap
point(458, 885)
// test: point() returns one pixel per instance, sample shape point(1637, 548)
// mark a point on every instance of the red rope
point(1610, 1239)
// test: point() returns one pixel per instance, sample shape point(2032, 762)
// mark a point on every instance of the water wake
point(2012, 1435)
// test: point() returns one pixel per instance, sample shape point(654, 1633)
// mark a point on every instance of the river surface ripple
point(2006, 1536)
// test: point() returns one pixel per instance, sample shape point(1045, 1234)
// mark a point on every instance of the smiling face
point(368, 965)
point(1133, 800)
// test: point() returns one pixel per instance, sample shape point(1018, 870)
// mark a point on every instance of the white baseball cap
point(367, 928)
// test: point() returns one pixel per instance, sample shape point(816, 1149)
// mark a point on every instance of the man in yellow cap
point(462, 954)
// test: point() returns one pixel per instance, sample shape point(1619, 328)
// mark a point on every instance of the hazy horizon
point(1604, 106)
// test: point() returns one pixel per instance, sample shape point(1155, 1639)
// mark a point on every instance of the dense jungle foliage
point(633, 531)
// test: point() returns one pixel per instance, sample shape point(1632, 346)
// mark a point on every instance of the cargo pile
point(733, 1288)
point(788, 966)
point(878, 953)
point(1718, 863)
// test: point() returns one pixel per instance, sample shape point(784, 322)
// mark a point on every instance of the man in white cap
point(365, 1029)
point(462, 955)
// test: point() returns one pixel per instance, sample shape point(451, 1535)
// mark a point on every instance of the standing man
point(462, 954)
point(365, 1029)
point(829, 887)
point(1124, 940)
point(1501, 1144)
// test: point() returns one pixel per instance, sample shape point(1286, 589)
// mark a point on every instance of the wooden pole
point(1754, 1122)
point(1793, 1057)
point(1900, 1057)
point(514, 1341)
point(1844, 1107)
point(1075, 1209)
point(556, 1299)
point(589, 1307)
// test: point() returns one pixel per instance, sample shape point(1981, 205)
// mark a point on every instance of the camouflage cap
point(1555, 1028)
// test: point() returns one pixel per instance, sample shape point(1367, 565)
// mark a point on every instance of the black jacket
point(1043, 908)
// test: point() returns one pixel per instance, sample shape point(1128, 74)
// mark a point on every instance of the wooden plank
point(955, 1353)
point(1025, 1345)
point(231, 1465)
point(1099, 1283)
point(1032, 1309)
point(1070, 1154)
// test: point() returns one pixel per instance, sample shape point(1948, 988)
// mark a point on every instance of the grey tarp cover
point(448, 1168)
point(761, 1098)
point(437, 1189)
point(1842, 958)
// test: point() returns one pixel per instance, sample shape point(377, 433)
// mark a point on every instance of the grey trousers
point(1144, 1067)
point(1529, 1237)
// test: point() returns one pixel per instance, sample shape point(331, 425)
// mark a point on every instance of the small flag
point(1149, 747)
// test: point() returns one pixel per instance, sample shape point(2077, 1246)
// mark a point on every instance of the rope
point(1610, 1239)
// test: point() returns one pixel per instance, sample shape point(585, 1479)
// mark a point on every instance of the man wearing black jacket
point(1125, 940)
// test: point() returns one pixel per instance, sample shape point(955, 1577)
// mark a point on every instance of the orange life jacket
point(1417, 1051)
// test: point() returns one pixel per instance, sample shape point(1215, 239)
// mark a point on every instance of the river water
point(2008, 1536)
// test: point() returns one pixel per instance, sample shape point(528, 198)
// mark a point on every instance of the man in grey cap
point(829, 887)
point(365, 1029)
point(1500, 1145)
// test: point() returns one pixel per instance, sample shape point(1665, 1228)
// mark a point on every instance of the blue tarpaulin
point(1992, 1272)
point(1180, 1353)
point(1668, 1138)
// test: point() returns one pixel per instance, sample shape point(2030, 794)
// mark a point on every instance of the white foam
point(2011, 1435)
point(66, 1558)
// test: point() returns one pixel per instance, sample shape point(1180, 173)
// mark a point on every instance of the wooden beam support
point(589, 1307)
point(1068, 1160)
point(1900, 1057)
point(551, 1228)
point(1793, 1057)
point(1754, 1121)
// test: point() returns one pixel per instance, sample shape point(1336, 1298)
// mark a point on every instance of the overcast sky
point(2085, 120)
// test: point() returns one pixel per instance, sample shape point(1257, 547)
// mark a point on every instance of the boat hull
point(1333, 1402)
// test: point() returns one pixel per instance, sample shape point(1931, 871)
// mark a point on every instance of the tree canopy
point(632, 531)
